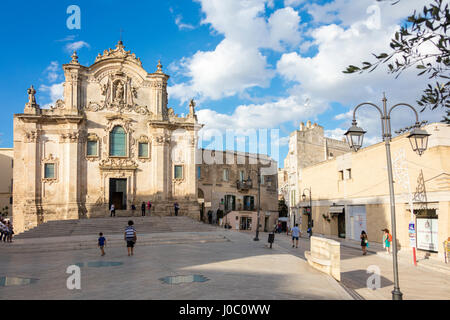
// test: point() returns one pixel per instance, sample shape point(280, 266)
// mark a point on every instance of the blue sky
point(253, 64)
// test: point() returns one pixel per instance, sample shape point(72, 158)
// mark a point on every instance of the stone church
point(111, 140)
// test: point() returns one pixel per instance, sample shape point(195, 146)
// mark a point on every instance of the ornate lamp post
point(419, 141)
point(310, 207)
point(250, 183)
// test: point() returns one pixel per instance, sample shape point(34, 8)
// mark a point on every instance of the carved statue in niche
point(119, 92)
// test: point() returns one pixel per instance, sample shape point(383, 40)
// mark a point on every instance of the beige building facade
point(6, 177)
point(223, 185)
point(307, 146)
point(111, 140)
point(351, 192)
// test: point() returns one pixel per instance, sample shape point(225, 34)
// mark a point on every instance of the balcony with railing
point(243, 186)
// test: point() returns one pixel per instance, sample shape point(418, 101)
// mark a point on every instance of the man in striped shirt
point(130, 237)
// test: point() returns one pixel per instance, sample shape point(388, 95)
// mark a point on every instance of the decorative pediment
point(120, 93)
point(119, 53)
point(118, 164)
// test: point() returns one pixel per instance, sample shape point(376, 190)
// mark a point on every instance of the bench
point(325, 256)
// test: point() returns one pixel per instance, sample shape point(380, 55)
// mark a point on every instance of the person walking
point(295, 235)
point(364, 242)
point(143, 208)
point(130, 237)
point(387, 239)
point(113, 210)
point(176, 207)
point(102, 243)
point(11, 231)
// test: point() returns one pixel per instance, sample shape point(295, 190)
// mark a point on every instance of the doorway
point(246, 223)
point(118, 193)
point(341, 225)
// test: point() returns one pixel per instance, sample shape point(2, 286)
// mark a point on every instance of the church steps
point(114, 225)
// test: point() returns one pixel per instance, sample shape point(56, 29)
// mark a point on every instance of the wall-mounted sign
point(427, 234)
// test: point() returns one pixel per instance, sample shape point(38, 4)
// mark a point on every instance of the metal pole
point(386, 128)
point(259, 206)
point(310, 208)
point(396, 293)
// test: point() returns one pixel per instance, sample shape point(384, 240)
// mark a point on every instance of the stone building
point(307, 146)
point(350, 193)
point(6, 185)
point(111, 140)
point(223, 185)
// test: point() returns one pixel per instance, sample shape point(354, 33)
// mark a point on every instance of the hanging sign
point(412, 235)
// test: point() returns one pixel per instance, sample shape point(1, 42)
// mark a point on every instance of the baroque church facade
point(111, 140)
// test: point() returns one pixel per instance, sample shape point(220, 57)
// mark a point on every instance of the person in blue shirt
point(295, 235)
point(102, 243)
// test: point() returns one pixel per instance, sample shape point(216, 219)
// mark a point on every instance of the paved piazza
point(236, 267)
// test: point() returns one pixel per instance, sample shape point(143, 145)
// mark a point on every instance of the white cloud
point(181, 25)
point(52, 71)
point(268, 115)
point(54, 92)
point(228, 70)
point(77, 45)
point(293, 3)
point(237, 63)
point(339, 46)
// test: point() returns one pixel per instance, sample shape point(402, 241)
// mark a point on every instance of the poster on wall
point(427, 234)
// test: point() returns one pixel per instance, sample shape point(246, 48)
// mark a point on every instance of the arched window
point(118, 142)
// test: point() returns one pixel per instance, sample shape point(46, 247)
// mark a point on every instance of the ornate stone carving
point(119, 53)
point(118, 164)
point(31, 137)
point(71, 137)
point(59, 104)
point(31, 107)
point(119, 96)
point(192, 114)
point(31, 96)
point(162, 139)
point(74, 58)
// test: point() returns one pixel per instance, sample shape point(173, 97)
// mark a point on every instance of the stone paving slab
point(115, 240)
point(415, 282)
point(239, 269)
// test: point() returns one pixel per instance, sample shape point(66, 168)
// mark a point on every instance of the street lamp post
point(310, 208)
point(249, 182)
point(418, 139)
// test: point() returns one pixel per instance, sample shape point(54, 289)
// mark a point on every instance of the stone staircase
point(114, 225)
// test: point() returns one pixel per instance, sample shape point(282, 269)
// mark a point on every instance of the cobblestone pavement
point(415, 282)
point(237, 269)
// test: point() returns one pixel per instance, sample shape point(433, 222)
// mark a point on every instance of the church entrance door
point(118, 193)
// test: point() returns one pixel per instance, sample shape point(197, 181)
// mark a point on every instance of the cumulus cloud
point(53, 92)
point(237, 63)
point(342, 32)
point(77, 45)
point(339, 46)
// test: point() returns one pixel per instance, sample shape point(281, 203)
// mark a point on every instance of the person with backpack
point(387, 239)
point(130, 237)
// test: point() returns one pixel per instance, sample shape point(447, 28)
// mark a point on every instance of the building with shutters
point(226, 192)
